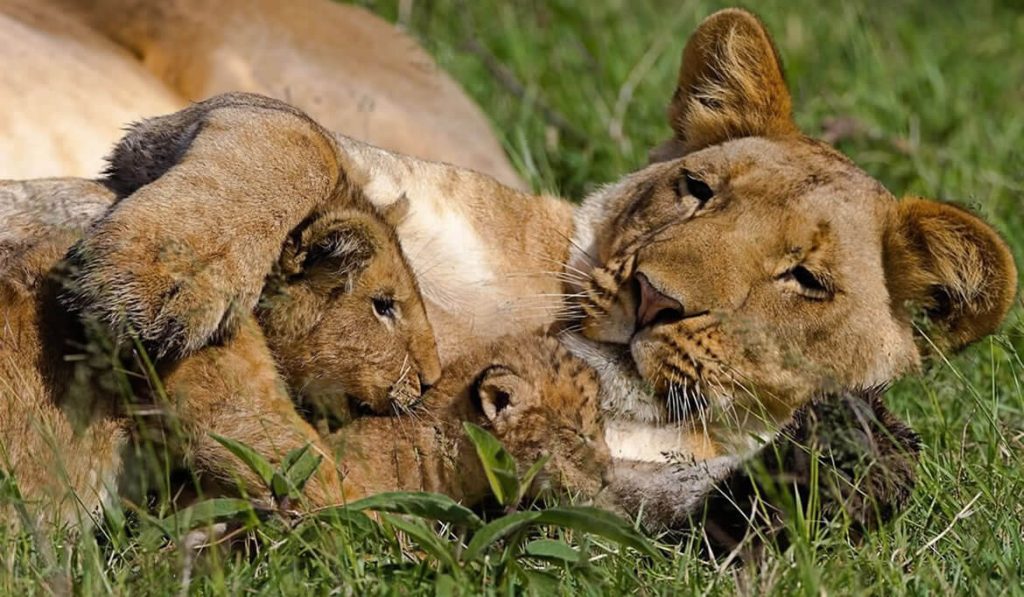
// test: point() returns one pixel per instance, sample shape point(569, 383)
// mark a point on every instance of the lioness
point(340, 321)
point(722, 288)
point(75, 71)
point(535, 397)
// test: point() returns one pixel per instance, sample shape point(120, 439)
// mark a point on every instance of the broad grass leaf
point(433, 506)
point(527, 480)
point(209, 511)
point(496, 530)
point(343, 517)
point(550, 549)
point(300, 470)
point(598, 522)
point(254, 461)
point(499, 466)
point(425, 537)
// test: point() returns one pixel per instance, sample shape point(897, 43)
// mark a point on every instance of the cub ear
point(948, 263)
point(340, 246)
point(499, 392)
point(730, 86)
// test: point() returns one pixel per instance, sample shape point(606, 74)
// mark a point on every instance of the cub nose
point(655, 306)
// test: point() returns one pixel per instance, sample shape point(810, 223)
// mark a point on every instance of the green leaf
point(539, 582)
point(345, 517)
point(445, 586)
point(527, 480)
point(598, 522)
point(209, 511)
point(426, 538)
point(497, 530)
point(499, 466)
point(549, 549)
point(302, 468)
point(254, 461)
point(433, 506)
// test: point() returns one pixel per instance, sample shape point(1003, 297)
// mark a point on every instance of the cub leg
point(234, 390)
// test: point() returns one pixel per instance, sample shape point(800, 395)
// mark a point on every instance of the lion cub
point(529, 391)
point(340, 320)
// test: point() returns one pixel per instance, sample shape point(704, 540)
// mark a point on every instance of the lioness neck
point(424, 451)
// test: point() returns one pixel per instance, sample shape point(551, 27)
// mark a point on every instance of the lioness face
point(747, 276)
point(757, 267)
point(345, 319)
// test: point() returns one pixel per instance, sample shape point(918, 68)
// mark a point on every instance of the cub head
point(183, 255)
point(540, 400)
point(343, 316)
point(751, 267)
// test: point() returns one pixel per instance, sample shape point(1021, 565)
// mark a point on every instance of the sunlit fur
point(66, 419)
point(530, 392)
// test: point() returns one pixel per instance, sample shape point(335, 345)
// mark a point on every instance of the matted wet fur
point(718, 290)
point(529, 391)
point(339, 322)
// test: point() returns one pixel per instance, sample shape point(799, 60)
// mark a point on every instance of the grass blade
point(433, 506)
point(496, 530)
point(598, 522)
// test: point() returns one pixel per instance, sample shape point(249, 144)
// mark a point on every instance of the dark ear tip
point(153, 146)
point(149, 149)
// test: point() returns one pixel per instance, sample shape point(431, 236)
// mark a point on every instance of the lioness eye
point(697, 188)
point(810, 284)
point(384, 306)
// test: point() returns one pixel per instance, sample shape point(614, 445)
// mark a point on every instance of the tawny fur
point(315, 337)
point(530, 392)
point(754, 338)
point(78, 70)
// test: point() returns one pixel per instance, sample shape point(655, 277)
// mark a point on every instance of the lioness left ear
point(498, 391)
point(953, 266)
point(730, 86)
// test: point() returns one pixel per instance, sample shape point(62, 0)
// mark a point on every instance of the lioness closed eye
point(340, 321)
point(528, 390)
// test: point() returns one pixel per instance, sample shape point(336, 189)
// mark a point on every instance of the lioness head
point(753, 267)
point(344, 317)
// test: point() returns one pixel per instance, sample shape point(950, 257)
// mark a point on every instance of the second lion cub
point(529, 391)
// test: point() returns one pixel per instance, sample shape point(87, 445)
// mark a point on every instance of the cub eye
point(384, 306)
point(810, 285)
point(697, 188)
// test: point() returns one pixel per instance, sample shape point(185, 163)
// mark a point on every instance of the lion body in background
point(76, 72)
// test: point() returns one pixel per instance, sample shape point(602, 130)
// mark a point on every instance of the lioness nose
point(655, 306)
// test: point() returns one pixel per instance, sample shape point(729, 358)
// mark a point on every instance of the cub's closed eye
point(697, 188)
point(807, 283)
point(384, 306)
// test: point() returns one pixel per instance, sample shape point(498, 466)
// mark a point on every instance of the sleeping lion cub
point(339, 320)
point(529, 391)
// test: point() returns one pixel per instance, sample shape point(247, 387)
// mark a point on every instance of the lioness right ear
point(730, 86)
point(209, 195)
point(951, 265)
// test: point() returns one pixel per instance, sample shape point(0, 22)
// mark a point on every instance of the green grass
point(937, 90)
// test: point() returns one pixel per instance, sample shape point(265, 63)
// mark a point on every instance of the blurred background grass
point(926, 96)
